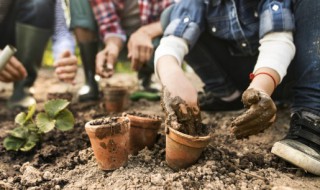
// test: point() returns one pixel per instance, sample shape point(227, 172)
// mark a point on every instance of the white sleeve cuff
point(171, 45)
point(276, 52)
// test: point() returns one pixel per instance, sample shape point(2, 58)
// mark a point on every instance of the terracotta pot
point(183, 150)
point(143, 131)
point(109, 141)
point(115, 98)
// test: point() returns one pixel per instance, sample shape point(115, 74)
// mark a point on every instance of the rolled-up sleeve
point(275, 16)
point(186, 20)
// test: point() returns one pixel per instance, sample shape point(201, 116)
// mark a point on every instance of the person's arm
point(107, 19)
point(276, 52)
point(140, 47)
point(112, 34)
point(62, 38)
point(63, 47)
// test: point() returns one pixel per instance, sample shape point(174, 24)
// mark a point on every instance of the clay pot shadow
point(109, 141)
point(143, 131)
point(115, 98)
point(183, 150)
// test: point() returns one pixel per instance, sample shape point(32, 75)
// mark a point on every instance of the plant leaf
point(19, 132)
point(32, 141)
point(31, 111)
point(32, 127)
point(53, 107)
point(28, 146)
point(20, 118)
point(65, 120)
point(44, 123)
point(12, 143)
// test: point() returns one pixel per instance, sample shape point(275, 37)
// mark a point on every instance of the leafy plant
point(29, 130)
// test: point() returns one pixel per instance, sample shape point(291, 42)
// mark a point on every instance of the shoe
point(301, 146)
point(210, 102)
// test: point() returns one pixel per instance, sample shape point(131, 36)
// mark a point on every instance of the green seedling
point(29, 130)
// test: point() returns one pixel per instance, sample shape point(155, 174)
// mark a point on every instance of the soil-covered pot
point(109, 140)
point(60, 95)
point(183, 150)
point(115, 98)
point(143, 131)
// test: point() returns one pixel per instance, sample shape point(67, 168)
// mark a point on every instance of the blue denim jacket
point(240, 22)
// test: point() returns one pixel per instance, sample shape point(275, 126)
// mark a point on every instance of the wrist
point(115, 41)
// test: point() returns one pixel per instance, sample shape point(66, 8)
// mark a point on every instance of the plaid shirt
point(105, 12)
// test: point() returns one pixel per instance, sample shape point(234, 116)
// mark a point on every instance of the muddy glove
point(179, 115)
point(259, 116)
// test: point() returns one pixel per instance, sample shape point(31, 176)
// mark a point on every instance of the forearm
point(153, 30)
point(276, 53)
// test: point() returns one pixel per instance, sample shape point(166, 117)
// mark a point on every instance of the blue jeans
point(223, 73)
point(37, 13)
point(306, 64)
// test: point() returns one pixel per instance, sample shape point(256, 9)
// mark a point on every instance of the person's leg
point(85, 29)
point(7, 26)
point(223, 75)
point(34, 23)
point(301, 146)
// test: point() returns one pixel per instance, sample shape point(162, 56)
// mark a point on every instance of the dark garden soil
point(65, 160)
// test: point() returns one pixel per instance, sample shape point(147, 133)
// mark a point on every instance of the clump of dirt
point(65, 95)
point(181, 117)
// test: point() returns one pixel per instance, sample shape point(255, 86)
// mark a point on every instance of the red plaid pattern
point(105, 12)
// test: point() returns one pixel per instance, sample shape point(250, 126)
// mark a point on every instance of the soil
point(66, 95)
point(65, 160)
point(181, 117)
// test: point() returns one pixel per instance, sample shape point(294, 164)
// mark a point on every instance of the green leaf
point(21, 118)
point(31, 111)
point(28, 146)
point(12, 143)
point(65, 120)
point(32, 127)
point(44, 123)
point(53, 107)
point(19, 132)
point(32, 141)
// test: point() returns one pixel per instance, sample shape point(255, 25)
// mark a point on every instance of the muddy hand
point(259, 116)
point(179, 115)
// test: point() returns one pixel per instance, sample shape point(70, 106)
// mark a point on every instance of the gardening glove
point(66, 67)
point(259, 116)
point(179, 115)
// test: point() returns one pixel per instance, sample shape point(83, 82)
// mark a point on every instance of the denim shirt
point(241, 22)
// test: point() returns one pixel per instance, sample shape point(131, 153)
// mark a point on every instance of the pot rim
point(90, 127)
point(135, 120)
point(188, 140)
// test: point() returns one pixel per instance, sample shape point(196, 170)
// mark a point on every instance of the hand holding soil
point(180, 116)
point(259, 116)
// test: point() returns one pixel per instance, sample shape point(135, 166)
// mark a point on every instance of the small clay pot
point(63, 95)
point(143, 131)
point(183, 150)
point(115, 98)
point(109, 141)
